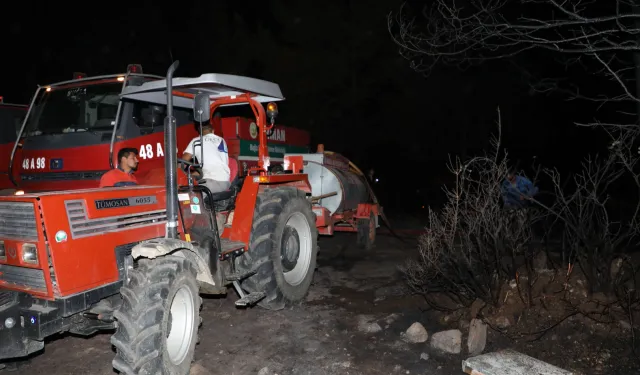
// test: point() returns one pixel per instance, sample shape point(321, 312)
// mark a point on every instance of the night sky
point(336, 63)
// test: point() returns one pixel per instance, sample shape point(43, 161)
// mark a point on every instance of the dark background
point(337, 66)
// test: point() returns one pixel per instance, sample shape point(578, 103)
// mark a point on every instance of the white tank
point(330, 173)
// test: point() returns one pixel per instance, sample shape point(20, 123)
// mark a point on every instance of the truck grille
point(24, 278)
point(18, 221)
point(6, 298)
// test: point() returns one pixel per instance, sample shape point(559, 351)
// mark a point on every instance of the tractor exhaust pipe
point(171, 159)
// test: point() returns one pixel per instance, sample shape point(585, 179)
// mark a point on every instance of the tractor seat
point(222, 195)
point(236, 184)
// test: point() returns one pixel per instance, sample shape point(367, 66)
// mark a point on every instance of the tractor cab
point(204, 95)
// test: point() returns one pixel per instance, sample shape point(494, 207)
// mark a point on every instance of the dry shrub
point(473, 245)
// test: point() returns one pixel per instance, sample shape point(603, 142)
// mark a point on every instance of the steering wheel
point(189, 166)
point(199, 171)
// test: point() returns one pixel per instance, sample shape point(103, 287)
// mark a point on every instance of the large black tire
point(366, 236)
point(285, 281)
point(146, 318)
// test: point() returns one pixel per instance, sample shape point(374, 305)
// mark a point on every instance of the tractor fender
point(164, 246)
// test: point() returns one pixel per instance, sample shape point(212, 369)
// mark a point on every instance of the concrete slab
point(509, 362)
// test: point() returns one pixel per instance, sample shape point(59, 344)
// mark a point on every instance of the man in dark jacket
point(517, 191)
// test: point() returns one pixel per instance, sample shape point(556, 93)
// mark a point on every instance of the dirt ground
point(334, 332)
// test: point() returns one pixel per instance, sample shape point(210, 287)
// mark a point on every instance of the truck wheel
point(367, 232)
point(159, 318)
point(283, 247)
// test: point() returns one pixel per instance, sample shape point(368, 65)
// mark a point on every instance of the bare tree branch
point(468, 32)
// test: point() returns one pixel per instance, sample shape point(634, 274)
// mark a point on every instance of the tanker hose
point(357, 171)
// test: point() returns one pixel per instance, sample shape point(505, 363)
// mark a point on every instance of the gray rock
point(264, 371)
point(417, 333)
point(477, 339)
point(365, 325)
point(447, 341)
point(424, 356)
point(510, 362)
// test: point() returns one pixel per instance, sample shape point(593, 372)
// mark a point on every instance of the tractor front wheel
point(159, 318)
point(283, 248)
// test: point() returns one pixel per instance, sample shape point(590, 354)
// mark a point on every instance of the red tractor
point(76, 128)
point(137, 258)
point(11, 117)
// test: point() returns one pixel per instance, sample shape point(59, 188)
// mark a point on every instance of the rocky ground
point(355, 321)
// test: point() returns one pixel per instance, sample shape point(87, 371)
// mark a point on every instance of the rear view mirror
point(201, 108)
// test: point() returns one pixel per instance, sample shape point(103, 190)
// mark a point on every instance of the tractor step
point(230, 247)
point(250, 299)
point(239, 276)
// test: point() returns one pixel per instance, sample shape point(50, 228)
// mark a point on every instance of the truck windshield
point(91, 107)
point(11, 118)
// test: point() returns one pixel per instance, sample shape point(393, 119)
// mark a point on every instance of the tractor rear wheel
point(283, 248)
point(159, 318)
point(367, 232)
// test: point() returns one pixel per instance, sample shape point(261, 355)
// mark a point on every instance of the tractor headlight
point(3, 251)
point(29, 253)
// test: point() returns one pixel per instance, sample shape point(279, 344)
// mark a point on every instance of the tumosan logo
point(125, 202)
point(112, 203)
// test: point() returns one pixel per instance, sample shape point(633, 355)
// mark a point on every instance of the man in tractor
point(122, 175)
point(215, 163)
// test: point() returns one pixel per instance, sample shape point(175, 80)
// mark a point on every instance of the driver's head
point(128, 159)
point(206, 129)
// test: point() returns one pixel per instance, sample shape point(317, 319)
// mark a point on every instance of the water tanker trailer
point(341, 196)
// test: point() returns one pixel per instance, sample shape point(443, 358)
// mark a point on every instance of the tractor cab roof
point(102, 78)
point(216, 85)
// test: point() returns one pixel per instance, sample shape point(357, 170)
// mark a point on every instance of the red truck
point(74, 129)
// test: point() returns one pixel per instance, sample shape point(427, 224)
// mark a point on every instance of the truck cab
point(74, 130)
